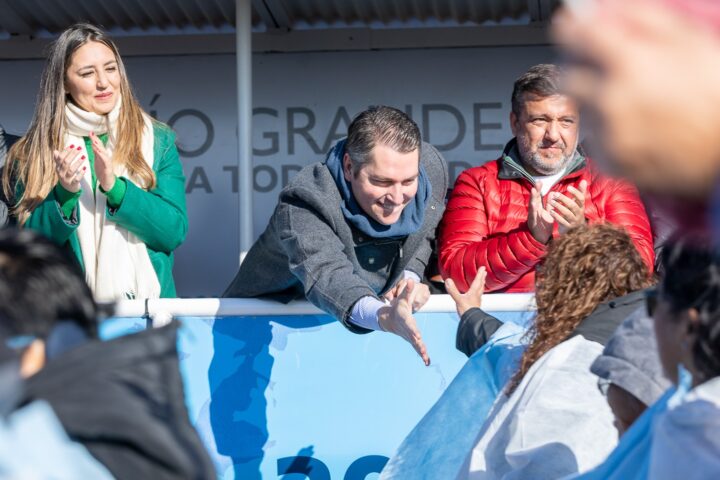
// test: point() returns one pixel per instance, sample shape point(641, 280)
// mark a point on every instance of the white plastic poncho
point(437, 446)
point(686, 438)
point(555, 423)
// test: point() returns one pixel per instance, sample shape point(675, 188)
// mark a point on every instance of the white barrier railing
point(231, 307)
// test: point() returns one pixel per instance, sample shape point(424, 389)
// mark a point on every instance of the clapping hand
point(103, 164)
point(569, 212)
point(540, 220)
point(69, 167)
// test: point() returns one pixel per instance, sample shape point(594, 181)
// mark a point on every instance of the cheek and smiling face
point(93, 79)
point(546, 129)
point(386, 184)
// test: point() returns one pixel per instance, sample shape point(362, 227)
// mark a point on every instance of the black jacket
point(6, 141)
point(477, 326)
point(123, 400)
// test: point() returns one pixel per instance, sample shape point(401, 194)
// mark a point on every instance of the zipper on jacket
point(519, 169)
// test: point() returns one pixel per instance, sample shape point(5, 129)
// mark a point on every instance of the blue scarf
point(411, 218)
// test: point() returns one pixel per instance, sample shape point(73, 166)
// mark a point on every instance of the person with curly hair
point(542, 416)
point(550, 419)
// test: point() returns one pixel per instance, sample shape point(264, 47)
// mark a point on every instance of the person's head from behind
point(583, 268)
point(382, 162)
point(544, 121)
point(83, 68)
point(686, 310)
point(45, 303)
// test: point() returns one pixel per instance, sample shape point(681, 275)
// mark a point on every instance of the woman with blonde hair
point(97, 174)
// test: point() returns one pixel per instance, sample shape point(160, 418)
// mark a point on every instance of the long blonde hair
point(30, 161)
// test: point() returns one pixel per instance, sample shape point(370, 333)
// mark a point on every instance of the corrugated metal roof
point(48, 17)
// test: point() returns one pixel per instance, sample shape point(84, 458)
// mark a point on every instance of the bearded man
point(503, 214)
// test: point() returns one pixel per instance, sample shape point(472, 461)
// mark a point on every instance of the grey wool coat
point(309, 250)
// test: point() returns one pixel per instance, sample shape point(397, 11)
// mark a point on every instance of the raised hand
point(470, 299)
point(569, 212)
point(540, 221)
point(397, 318)
point(103, 163)
point(69, 167)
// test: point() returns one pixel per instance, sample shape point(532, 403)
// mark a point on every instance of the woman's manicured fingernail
point(79, 148)
point(72, 146)
point(82, 158)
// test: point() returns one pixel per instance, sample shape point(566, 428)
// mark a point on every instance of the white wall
point(303, 101)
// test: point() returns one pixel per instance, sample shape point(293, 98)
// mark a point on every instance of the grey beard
point(541, 167)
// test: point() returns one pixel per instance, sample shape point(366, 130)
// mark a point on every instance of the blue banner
point(301, 396)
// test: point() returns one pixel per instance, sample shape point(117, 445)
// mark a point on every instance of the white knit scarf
point(117, 264)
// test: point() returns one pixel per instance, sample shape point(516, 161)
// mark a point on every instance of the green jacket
point(157, 217)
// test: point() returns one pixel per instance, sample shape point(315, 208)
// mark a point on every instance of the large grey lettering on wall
point(303, 103)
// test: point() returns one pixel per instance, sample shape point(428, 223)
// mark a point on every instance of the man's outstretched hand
point(398, 318)
point(422, 293)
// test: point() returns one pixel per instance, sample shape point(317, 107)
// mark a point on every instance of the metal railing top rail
point(251, 307)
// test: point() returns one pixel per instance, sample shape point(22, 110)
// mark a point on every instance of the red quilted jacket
point(485, 223)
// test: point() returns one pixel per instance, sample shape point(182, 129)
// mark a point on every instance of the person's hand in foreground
point(398, 318)
point(422, 294)
point(641, 71)
point(470, 299)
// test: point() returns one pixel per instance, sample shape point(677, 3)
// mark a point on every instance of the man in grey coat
point(354, 234)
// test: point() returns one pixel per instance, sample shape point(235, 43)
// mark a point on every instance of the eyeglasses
point(651, 301)
point(603, 386)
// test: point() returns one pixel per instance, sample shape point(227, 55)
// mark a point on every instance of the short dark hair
point(692, 280)
point(380, 125)
point(41, 285)
point(542, 80)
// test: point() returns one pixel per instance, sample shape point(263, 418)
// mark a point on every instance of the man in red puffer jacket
point(503, 214)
